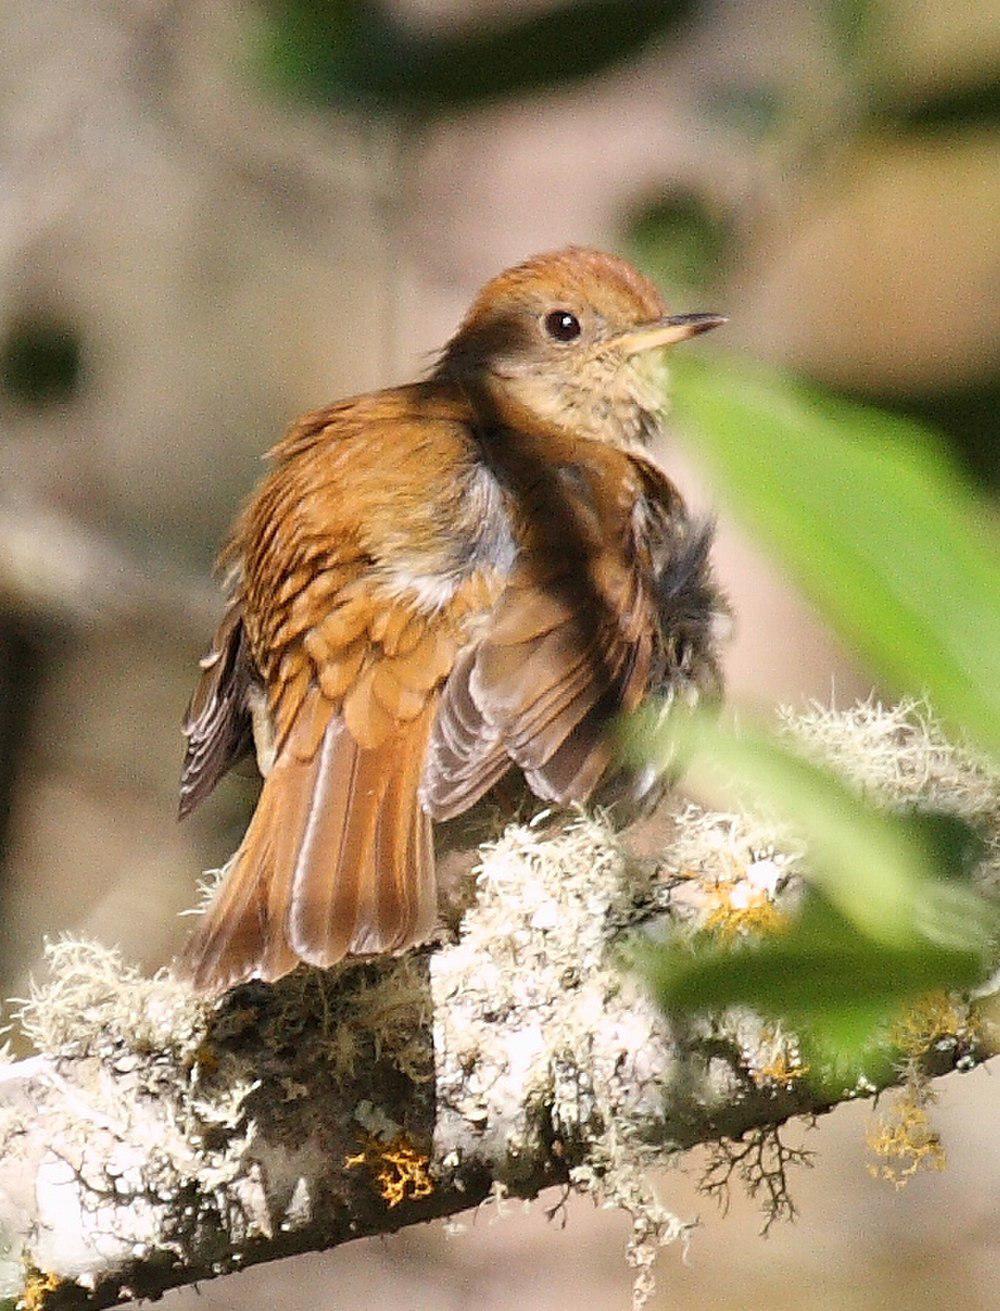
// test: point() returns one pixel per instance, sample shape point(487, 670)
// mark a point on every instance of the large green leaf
point(359, 51)
point(891, 914)
point(827, 980)
point(896, 878)
point(874, 521)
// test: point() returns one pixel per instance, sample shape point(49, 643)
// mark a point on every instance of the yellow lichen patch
point(37, 1287)
point(984, 1021)
point(782, 1064)
point(401, 1172)
point(737, 911)
point(904, 1140)
point(926, 1021)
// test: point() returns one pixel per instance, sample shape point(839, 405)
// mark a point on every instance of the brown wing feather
point(356, 888)
point(336, 860)
point(217, 724)
point(466, 756)
point(575, 640)
point(573, 682)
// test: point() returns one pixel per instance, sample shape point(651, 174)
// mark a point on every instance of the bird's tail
point(338, 860)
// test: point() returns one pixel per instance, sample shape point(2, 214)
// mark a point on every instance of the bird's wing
point(571, 643)
point(217, 724)
point(338, 857)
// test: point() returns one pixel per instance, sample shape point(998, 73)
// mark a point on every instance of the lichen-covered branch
point(155, 1141)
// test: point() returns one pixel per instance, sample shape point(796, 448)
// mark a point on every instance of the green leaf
point(891, 912)
point(824, 977)
point(895, 877)
point(874, 521)
point(357, 51)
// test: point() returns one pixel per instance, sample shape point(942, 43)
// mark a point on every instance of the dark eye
point(562, 325)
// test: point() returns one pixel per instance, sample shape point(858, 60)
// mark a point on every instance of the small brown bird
point(437, 583)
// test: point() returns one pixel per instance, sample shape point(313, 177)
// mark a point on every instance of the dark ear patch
point(497, 339)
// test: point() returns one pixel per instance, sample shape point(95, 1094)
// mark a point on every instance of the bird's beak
point(667, 332)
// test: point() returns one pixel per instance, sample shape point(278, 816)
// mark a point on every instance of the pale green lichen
point(92, 999)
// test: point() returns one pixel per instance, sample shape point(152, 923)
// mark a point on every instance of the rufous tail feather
point(337, 861)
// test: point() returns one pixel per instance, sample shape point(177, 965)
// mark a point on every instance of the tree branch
point(156, 1141)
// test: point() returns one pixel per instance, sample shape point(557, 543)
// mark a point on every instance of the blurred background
point(215, 215)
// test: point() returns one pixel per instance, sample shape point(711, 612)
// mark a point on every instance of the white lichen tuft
point(90, 998)
point(901, 756)
point(542, 1043)
point(172, 1126)
point(728, 871)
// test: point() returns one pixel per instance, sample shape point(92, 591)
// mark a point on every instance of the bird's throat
point(621, 407)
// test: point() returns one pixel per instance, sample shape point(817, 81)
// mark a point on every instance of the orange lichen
point(401, 1172)
point(37, 1287)
point(904, 1140)
point(737, 913)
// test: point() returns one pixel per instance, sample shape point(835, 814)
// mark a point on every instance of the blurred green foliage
point(874, 520)
point(852, 24)
point(40, 362)
point(890, 912)
point(362, 54)
point(966, 413)
point(758, 112)
point(861, 30)
point(868, 512)
point(831, 983)
point(358, 52)
point(681, 242)
point(880, 870)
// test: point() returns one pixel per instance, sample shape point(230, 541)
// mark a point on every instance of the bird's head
point(573, 339)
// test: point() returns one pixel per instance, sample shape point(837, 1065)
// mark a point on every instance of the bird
point(437, 584)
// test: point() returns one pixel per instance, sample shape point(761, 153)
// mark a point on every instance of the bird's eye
point(562, 325)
